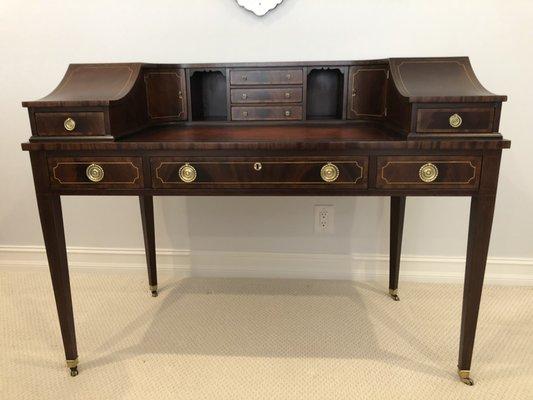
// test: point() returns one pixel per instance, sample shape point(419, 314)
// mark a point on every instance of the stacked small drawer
point(266, 94)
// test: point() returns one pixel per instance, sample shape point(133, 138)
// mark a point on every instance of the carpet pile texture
point(214, 338)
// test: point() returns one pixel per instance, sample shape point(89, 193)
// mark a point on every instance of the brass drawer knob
point(258, 166)
point(287, 95)
point(287, 113)
point(244, 96)
point(187, 173)
point(456, 121)
point(329, 172)
point(69, 124)
point(245, 113)
point(428, 172)
point(95, 173)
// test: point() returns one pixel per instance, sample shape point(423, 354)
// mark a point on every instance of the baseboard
point(506, 271)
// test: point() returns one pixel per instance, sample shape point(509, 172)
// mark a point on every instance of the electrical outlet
point(324, 219)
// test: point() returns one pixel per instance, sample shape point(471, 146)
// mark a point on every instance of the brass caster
point(394, 294)
point(464, 375)
point(73, 365)
point(153, 289)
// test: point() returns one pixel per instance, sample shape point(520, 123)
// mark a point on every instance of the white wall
point(38, 39)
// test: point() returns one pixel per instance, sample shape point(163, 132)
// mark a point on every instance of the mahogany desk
point(396, 128)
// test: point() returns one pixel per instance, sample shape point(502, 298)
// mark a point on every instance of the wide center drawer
point(423, 172)
point(96, 172)
point(266, 77)
point(175, 172)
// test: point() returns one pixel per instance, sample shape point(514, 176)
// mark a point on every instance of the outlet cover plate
point(324, 219)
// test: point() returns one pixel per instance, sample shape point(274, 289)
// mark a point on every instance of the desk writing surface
point(299, 137)
point(260, 133)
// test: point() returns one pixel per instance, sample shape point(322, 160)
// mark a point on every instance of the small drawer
point(69, 124)
point(168, 172)
point(273, 113)
point(417, 172)
point(458, 120)
point(267, 95)
point(266, 77)
point(96, 172)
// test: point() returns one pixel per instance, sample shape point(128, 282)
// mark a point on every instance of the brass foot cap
point(394, 294)
point(464, 375)
point(73, 363)
point(153, 289)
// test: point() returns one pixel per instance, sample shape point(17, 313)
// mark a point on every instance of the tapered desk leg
point(397, 212)
point(147, 216)
point(481, 214)
point(54, 239)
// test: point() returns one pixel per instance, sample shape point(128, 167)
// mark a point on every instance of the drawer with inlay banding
point(267, 95)
point(267, 113)
point(168, 172)
point(455, 120)
point(266, 76)
point(422, 172)
point(90, 123)
point(95, 172)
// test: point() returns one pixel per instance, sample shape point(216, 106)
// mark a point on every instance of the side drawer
point(168, 172)
point(96, 172)
point(267, 113)
point(266, 77)
point(424, 172)
point(455, 120)
point(70, 124)
point(267, 95)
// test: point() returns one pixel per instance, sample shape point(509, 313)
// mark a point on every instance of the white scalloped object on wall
point(259, 7)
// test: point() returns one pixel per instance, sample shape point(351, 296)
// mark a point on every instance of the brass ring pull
point(258, 166)
point(287, 95)
point(244, 78)
point(288, 77)
point(95, 173)
point(69, 124)
point(428, 172)
point(245, 113)
point(180, 95)
point(187, 173)
point(244, 96)
point(456, 121)
point(329, 172)
point(287, 113)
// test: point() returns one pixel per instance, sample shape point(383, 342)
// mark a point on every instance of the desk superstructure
point(396, 128)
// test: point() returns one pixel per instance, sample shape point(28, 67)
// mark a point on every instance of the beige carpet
point(259, 339)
